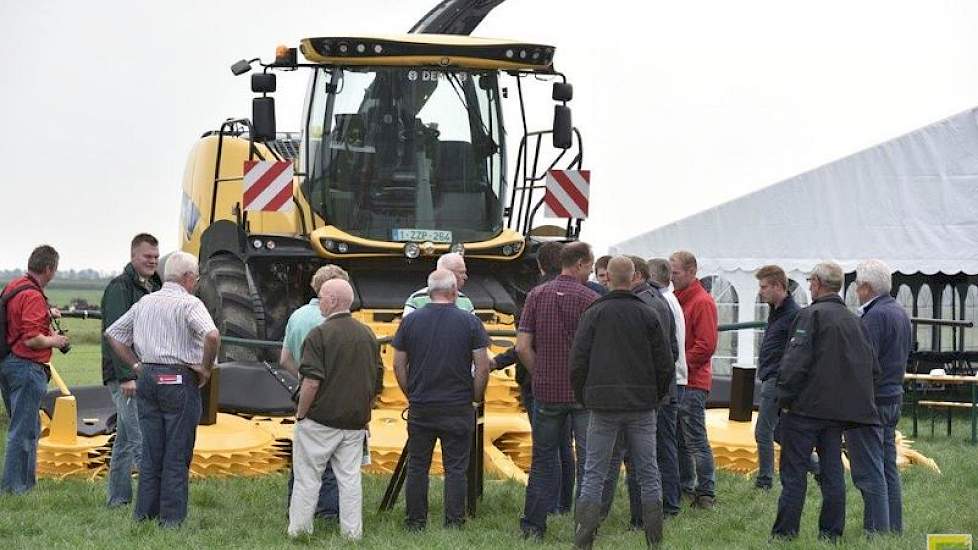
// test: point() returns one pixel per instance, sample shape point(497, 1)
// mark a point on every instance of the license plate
point(423, 235)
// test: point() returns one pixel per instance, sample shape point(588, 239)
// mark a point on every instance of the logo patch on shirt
point(169, 379)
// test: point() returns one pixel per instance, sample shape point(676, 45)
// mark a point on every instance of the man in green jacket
point(138, 279)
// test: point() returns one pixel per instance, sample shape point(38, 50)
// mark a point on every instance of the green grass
point(249, 513)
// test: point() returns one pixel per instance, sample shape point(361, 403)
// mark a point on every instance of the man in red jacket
point(700, 312)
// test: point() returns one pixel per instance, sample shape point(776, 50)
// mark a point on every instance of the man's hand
point(203, 374)
point(58, 341)
point(55, 312)
point(128, 388)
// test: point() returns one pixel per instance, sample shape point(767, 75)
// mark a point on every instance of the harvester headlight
point(270, 245)
point(256, 243)
point(378, 48)
point(342, 248)
point(510, 54)
point(343, 47)
point(412, 251)
point(361, 48)
point(458, 248)
point(329, 245)
point(522, 54)
point(508, 250)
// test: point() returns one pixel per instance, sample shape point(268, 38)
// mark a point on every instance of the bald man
point(341, 374)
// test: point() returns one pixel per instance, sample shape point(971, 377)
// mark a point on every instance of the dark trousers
point(453, 425)
point(549, 430)
point(798, 436)
point(667, 455)
point(168, 417)
point(328, 505)
point(864, 445)
point(566, 464)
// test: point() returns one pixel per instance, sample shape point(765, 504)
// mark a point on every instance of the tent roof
point(911, 201)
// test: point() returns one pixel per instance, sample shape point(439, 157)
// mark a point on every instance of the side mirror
point(563, 128)
point(241, 67)
point(263, 83)
point(563, 91)
point(263, 118)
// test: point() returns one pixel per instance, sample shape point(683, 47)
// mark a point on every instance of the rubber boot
point(587, 516)
point(652, 517)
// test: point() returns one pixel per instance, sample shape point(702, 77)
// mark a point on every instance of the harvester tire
point(224, 290)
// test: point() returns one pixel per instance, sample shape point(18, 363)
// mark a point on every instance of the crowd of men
point(613, 371)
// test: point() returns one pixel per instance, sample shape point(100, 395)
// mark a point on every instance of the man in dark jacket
point(872, 449)
point(825, 385)
point(341, 374)
point(652, 297)
point(621, 368)
point(773, 291)
point(138, 279)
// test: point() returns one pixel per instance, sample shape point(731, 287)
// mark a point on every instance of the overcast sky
point(683, 105)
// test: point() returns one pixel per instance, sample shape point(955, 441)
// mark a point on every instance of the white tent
point(912, 202)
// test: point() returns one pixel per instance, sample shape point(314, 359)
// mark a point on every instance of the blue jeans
point(564, 497)
point(125, 449)
point(694, 445)
point(889, 417)
point(638, 431)
point(168, 417)
point(767, 420)
point(22, 383)
point(453, 425)
point(864, 445)
point(799, 435)
point(328, 505)
point(549, 429)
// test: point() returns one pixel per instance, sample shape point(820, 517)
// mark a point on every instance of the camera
point(67, 347)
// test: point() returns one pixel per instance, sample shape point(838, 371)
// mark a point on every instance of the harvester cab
point(401, 158)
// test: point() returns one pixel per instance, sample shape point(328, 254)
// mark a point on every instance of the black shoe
point(704, 502)
point(587, 516)
point(532, 534)
point(763, 486)
point(415, 526)
point(652, 523)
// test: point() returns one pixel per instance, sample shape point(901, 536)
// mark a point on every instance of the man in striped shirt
point(170, 342)
point(455, 263)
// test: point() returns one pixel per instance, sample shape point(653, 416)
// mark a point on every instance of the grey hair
point(448, 260)
point(179, 264)
point(660, 271)
point(829, 274)
point(441, 280)
point(876, 274)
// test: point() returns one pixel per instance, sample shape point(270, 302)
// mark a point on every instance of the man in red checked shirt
point(23, 374)
point(700, 312)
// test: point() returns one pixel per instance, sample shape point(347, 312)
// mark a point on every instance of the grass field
point(249, 513)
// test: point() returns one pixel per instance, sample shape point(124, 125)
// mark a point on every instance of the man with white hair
point(341, 374)
point(825, 384)
point(872, 449)
point(169, 340)
point(301, 322)
point(455, 263)
point(435, 348)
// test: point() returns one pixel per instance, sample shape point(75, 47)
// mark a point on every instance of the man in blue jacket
point(773, 291)
point(872, 449)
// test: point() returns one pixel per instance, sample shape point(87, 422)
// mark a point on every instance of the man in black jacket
point(621, 368)
point(652, 297)
point(825, 384)
point(138, 279)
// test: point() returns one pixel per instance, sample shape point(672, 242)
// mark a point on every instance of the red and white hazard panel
point(268, 186)
point(567, 193)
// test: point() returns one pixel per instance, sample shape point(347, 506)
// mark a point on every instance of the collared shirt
point(166, 327)
point(420, 298)
point(551, 313)
point(300, 323)
point(861, 310)
point(27, 316)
